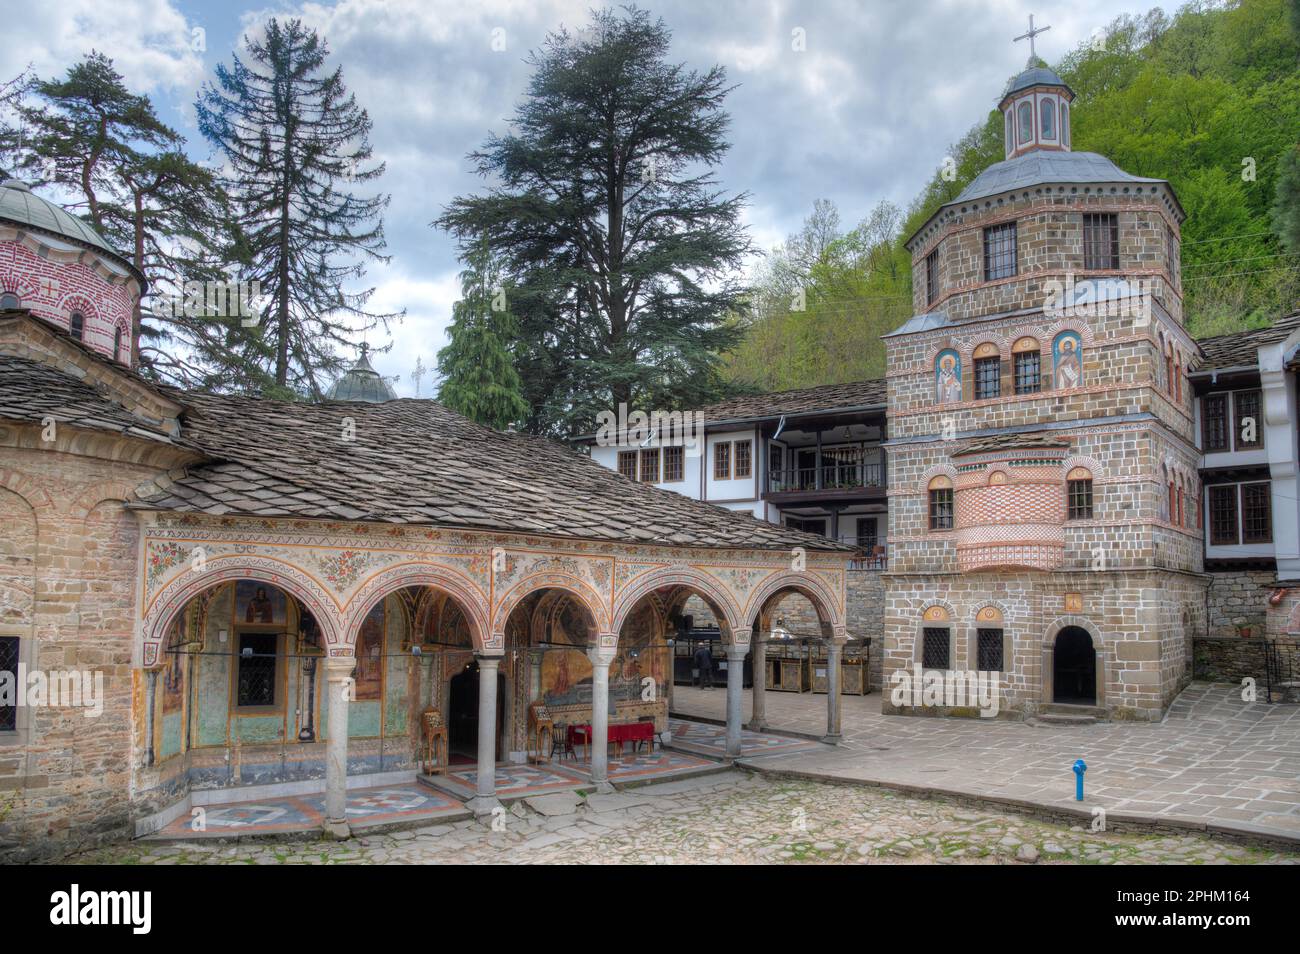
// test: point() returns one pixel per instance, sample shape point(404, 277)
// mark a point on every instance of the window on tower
point(988, 377)
point(1047, 118)
point(77, 325)
point(1065, 125)
point(932, 277)
point(1000, 251)
point(941, 503)
point(1026, 113)
point(1100, 241)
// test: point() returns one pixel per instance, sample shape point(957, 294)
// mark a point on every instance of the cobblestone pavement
point(1213, 760)
point(731, 817)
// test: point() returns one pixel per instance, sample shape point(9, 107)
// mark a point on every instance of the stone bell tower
point(1043, 517)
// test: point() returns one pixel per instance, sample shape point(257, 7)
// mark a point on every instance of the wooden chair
point(433, 756)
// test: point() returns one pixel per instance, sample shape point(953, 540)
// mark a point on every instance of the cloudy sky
point(865, 111)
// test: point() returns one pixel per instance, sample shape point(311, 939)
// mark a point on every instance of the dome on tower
point(24, 208)
point(361, 382)
point(1036, 110)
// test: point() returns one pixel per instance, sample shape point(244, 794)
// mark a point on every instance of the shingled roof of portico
point(415, 462)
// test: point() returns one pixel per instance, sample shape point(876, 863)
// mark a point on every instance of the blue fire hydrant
point(1080, 766)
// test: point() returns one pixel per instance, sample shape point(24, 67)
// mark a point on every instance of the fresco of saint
point(1069, 374)
point(948, 378)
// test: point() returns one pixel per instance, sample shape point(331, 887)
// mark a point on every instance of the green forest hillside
point(1208, 99)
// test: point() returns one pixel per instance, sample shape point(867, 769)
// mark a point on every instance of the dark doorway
point(1074, 668)
point(462, 721)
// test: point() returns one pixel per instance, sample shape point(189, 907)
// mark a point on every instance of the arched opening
point(1074, 667)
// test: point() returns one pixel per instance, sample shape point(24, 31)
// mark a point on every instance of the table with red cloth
point(620, 732)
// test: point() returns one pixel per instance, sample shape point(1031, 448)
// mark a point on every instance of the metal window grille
point(9, 664)
point(1100, 240)
point(988, 650)
point(1256, 513)
point(934, 648)
point(257, 666)
point(673, 464)
point(1080, 496)
point(1245, 406)
point(1214, 422)
point(941, 509)
point(1029, 379)
point(988, 378)
point(1000, 251)
point(1223, 514)
point(932, 277)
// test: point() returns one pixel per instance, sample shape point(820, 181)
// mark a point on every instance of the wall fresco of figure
point(947, 377)
point(1067, 360)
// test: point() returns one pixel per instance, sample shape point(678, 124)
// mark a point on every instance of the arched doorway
point(462, 715)
point(1074, 668)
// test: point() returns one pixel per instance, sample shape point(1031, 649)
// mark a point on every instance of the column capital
point(736, 651)
point(339, 667)
point(602, 654)
point(489, 662)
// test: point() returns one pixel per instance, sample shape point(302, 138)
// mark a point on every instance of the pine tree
point(295, 140)
point(624, 252)
point(479, 378)
point(88, 134)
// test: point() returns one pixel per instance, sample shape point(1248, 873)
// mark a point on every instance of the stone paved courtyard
point(731, 817)
point(1215, 760)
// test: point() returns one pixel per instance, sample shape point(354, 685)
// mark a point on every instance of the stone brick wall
point(1237, 602)
point(1049, 226)
point(70, 555)
point(1234, 658)
point(54, 289)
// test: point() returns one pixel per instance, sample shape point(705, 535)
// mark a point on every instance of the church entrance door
point(462, 721)
point(1074, 668)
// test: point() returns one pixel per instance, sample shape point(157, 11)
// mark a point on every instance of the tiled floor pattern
point(711, 740)
point(366, 806)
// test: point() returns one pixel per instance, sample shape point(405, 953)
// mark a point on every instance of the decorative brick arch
point(96, 494)
point(815, 590)
point(1092, 465)
point(37, 497)
point(1062, 622)
point(173, 597)
point(697, 582)
point(461, 588)
point(550, 579)
point(938, 470)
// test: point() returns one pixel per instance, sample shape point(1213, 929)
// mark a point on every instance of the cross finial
point(1030, 36)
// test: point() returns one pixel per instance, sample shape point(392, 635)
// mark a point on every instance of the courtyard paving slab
point(1215, 761)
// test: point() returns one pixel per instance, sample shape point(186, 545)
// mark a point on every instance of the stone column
point(758, 716)
point(150, 697)
point(601, 657)
point(736, 653)
point(338, 675)
point(834, 652)
point(485, 792)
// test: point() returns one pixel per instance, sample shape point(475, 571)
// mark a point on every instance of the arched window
point(9, 301)
point(1178, 379)
point(1078, 492)
point(1026, 113)
point(941, 503)
point(936, 639)
point(1169, 370)
point(1047, 119)
point(1027, 366)
point(1010, 134)
point(988, 371)
point(117, 342)
point(989, 650)
point(1178, 519)
point(1065, 125)
point(77, 325)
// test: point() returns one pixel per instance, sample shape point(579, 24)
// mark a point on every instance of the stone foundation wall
point(1237, 603)
point(1234, 658)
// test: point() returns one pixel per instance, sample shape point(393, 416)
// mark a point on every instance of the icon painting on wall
point(260, 604)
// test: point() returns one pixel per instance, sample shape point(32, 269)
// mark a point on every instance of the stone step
point(1066, 709)
point(1053, 719)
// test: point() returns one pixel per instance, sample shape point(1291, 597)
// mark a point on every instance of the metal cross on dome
point(1030, 35)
